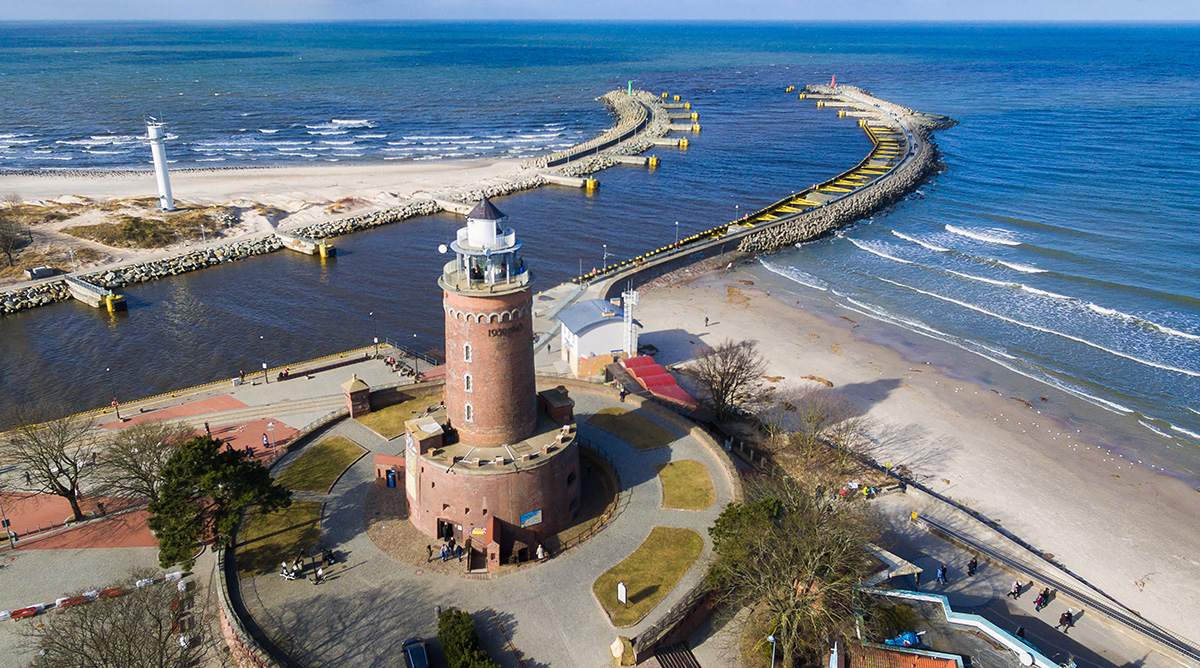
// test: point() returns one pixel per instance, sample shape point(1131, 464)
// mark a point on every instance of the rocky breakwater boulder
point(33, 296)
point(889, 189)
point(365, 221)
point(182, 263)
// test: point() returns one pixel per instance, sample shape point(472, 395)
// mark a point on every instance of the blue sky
point(764, 10)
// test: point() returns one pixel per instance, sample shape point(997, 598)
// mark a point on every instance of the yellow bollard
point(653, 161)
point(841, 113)
point(664, 96)
point(676, 98)
point(683, 144)
point(590, 184)
point(695, 127)
point(820, 103)
point(687, 105)
point(108, 302)
point(695, 116)
point(324, 248)
point(800, 96)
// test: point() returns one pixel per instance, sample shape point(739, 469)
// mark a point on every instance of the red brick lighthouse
point(498, 467)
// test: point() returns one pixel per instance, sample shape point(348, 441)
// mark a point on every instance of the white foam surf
point(918, 242)
point(988, 236)
point(875, 251)
point(1045, 330)
point(794, 275)
point(1023, 268)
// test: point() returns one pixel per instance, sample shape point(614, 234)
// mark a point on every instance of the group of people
point(396, 365)
point(1065, 620)
point(449, 550)
point(296, 569)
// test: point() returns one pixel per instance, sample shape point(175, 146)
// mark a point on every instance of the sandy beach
point(266, 199)
point(1122, 527)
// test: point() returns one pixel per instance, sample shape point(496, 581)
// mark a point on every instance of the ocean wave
point(1023, 268)
point(794, 275)
point(267, 132)
point(99, 152)
point(1133, 319)
point(918, 242)
point(328, 132)
point(1045, 330)
point(988, 235)
point(1046, 293)
point(353, 122)
point(1188, 432)
point(372, 136)
point(331, 142)
point(981, 279)
point(437, 137)
point(210, 160)
point(1154, 429)
point(874, 251)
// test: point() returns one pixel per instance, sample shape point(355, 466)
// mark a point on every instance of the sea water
point(1059, 242)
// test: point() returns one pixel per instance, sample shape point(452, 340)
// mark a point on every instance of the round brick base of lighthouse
point(531, 503)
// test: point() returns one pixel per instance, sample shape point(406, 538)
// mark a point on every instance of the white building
point(593, 336)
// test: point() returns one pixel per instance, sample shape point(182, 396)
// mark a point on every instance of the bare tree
point(795, 558)
point(131, 466)
point(148, 627)
point(727, 375)
point(52, 453)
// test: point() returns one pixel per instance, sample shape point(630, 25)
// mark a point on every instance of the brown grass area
point(149, 228)
point(265, 540)
point(32, 214)
point(649, 574)
point(26, 258)
point(320, 465)
point(687, 485)
point(632, 428)
point(389, 422)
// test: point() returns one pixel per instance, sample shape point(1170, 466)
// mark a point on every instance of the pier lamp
point(677, 232)
point(374, 331)
point(112, 386)
point(604, 262)
point(262, 355)
point(771, 639)
point(416, 369)
point(271, 430)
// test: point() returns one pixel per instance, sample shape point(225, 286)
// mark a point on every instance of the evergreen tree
point(203, 493)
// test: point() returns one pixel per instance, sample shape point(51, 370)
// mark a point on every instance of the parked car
point(415, 654)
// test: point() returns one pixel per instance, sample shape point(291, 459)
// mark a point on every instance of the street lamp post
point(604, 262)
point(416, 369)
point(113, 388)
point(12, 545)
point(677, 233)
point(271, 430)
point(771, 639)
point(72, 252)
point(262, 354)
point(374, 332)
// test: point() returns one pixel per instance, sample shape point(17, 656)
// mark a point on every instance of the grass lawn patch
point(265, 540)
point(389, 422)
point(632, 428)
point(320, 465)
point(687, 485)
point(649, 573)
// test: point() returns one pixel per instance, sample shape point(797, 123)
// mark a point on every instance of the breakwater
point(640, 118)
point(882, 178)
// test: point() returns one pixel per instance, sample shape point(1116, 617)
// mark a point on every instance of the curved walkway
point(371, 603)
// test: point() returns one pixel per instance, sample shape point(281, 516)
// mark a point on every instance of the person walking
point(207, 431)
point(1015, 592)
point(428, 553)
point(941, 575)
point(706, 321)
point(972, 565)
point(1042, 600)
point(1065, 620)
point(458, 552)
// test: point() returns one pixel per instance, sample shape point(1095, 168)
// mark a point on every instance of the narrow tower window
point(467, 383)
point(466, 352)
point(469, 413)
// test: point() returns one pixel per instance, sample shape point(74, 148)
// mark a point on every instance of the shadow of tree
point(496, 630)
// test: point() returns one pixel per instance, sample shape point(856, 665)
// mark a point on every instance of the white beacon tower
point(154, 131)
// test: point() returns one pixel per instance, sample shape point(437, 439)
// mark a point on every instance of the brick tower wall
point(502, 393)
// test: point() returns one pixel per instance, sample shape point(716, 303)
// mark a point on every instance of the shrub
point(460, 644)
